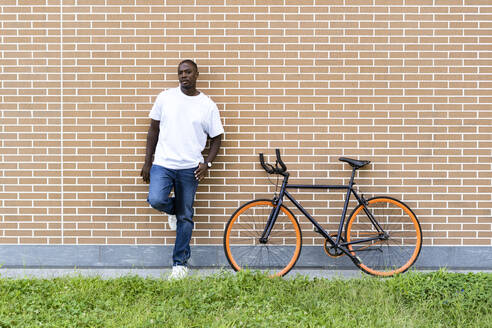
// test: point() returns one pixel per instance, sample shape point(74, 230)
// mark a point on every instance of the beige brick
point(403, 83)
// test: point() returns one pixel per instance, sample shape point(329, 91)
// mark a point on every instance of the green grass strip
point(438, 299)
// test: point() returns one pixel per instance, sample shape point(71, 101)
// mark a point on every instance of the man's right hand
point(145, 172)
point(152, 138)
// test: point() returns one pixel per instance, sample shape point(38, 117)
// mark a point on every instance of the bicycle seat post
point(351, 183)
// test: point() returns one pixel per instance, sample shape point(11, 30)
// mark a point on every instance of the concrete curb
point(152, 257)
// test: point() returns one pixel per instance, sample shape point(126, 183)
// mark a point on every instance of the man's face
point(187, 75)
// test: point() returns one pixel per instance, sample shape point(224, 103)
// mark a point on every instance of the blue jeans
point(162, 181)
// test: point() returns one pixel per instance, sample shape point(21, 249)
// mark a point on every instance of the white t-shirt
point(185, 122)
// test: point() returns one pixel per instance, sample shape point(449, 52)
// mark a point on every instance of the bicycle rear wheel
point(242, 239)
point(392, 250)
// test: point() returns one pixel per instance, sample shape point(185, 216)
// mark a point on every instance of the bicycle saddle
point(354, 163)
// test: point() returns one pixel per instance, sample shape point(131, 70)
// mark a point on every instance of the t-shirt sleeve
point(215, 125)
point(156, 112)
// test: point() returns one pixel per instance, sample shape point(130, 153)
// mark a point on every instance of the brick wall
point(406, 84)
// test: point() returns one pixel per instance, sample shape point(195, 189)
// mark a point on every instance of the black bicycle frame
point(335, 243)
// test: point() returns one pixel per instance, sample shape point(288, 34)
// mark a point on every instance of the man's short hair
point(189, 61)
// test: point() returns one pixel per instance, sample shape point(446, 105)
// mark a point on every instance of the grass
point(438, 299)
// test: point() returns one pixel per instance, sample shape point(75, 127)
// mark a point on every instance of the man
point(181, 120)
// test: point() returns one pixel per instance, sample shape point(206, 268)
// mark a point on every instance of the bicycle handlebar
point(274, 169)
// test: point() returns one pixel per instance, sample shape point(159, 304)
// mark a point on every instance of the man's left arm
point(212, 153)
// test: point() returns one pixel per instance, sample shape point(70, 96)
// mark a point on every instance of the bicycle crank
point(332, 251)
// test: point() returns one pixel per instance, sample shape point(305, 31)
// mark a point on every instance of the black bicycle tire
point(286, 210)
point(416, 252)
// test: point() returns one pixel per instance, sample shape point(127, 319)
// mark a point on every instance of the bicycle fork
point(271, 221)
point(277, 203)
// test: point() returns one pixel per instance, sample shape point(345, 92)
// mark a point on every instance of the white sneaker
point(171, 220)
point(179, 272)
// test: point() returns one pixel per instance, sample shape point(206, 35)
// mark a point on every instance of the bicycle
point(382, 235)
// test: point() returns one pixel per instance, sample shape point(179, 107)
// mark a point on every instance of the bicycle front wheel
point(391, 244)
point(242, 239)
